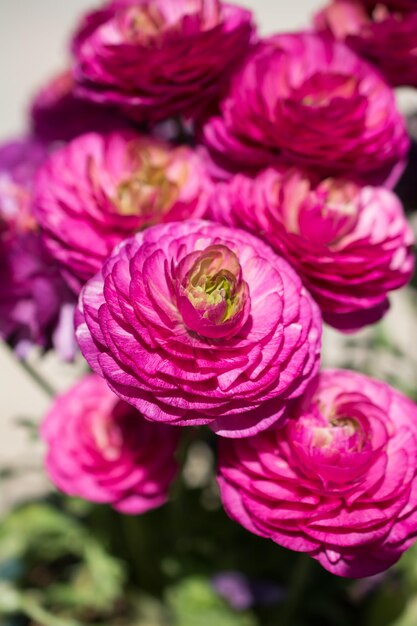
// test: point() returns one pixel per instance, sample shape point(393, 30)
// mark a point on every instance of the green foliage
point(194, 603)
point(68, 563)
point(59, 564)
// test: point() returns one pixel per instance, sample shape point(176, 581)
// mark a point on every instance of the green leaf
point(409, 617)
point(195, 603)
point(67, 567)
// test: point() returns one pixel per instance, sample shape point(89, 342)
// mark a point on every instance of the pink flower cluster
point(190, 322)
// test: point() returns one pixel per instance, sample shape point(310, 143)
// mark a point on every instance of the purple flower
point(58, 114)
point(36, 307)
point(243, 593)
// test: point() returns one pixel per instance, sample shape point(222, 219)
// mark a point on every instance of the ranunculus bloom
point(195, 323)
point(351, 245)
point(101, 449)
point(36, 307)
point(308, 100)
point(337, 482)
point(159, 58)
point(58, 114)
point(387, 37)
point(99, 189)
point(393, 5)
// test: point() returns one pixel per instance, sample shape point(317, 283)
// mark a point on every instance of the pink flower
point(195, 323)
point(308, 100)
point(387, 37)
point(36, 307)
point(351, 245)
point(337, 482)
point(99, 189)
point(102, 450)
point(159, 58)
point(58, 114)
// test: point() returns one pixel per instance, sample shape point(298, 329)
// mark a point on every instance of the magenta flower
point(399, 5)
point(308, 100)
point(102, 450)
point(351, 245)
point(99, 189)
point(337, 482)
point(58, 114)
point(195, 323)
point(387, 37)
point(159, 58)
point(36, 307)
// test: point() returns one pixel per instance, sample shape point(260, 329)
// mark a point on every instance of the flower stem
point(142, 551)
point(298, 582)
point(37, 378)
point(135, 548)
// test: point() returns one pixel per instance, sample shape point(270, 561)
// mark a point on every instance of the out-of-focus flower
point(58, 114)
point(393, 5)
point(36, 307)
point(309, 100)
point(99, 189)
point(243, 593)
point(337, 482)
point(159, 58)
point(101, 449)
point(386, 36)
point(195, 323)
point(351, 245)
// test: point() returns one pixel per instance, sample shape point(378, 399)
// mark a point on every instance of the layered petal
point(100, 188)
point(350, 244)
point(337, 481)
point(307, 100)
point(101, 449)
point(384, 33)
point(195, 323)
point(159, 58)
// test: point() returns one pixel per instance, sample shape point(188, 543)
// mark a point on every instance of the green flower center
point(149, 192)
point(215, 282)
point(215, 290)
point(144, 22)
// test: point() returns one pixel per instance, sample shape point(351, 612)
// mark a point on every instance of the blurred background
point(33, 38)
